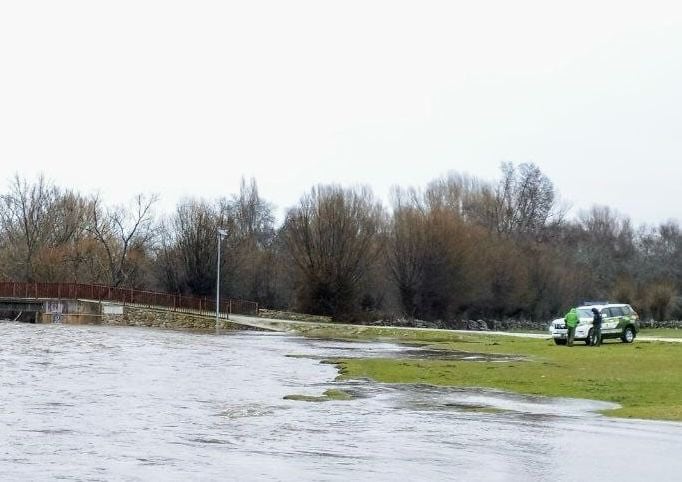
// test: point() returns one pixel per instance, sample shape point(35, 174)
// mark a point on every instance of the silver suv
point(618, 321)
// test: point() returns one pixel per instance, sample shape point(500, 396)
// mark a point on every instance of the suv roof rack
point(595, 302)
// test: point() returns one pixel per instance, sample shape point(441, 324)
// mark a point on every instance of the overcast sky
point(182, 98)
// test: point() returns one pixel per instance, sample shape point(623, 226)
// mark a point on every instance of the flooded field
point(115, 403)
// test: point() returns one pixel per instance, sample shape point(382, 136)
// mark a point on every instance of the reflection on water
point(103, 403)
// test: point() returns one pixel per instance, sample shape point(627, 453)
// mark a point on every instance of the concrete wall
point(74, 312)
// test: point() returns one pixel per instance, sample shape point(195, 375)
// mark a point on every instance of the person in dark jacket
point(596, 328)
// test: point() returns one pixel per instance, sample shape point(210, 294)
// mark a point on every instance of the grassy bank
point(662, 332)
point(644, 378)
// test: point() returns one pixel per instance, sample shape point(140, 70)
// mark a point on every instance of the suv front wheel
point(628, 335)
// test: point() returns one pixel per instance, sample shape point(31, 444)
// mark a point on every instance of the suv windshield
point(584, 313)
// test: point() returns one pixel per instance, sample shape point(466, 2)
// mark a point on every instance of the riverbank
point(641, 377)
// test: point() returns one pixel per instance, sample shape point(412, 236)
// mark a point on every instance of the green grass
point(661, 332)
point(644, 378)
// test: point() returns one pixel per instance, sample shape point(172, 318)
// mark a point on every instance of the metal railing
point(150, 299)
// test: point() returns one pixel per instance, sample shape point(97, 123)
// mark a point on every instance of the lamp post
point(221, 233)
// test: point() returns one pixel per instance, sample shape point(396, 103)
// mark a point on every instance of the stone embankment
point(159, 318)
point(291, 316)
point(135, 316)
point(475, 325)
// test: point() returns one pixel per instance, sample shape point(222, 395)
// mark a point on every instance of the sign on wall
point(55, 308)
point(112, 309)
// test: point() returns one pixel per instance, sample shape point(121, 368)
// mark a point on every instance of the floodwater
point(89, 403)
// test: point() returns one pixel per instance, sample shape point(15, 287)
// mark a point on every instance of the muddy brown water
point(89, 403)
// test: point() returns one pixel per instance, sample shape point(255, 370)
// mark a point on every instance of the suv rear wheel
point(628, 335)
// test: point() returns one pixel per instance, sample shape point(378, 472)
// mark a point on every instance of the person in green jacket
point(572, 321)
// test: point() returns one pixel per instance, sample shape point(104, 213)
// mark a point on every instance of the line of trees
point(459, 247)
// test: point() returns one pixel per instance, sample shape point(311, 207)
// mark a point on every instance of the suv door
point(631, 316)
point(609, 323)
point(617, 320)
point(620, 317)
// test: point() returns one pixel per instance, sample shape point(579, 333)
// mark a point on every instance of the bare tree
point(331, 236)
point(253, 218)
point(522, 204)
point(406, 249)
point(195, 227)
point(122, 230)
point(28, 219)
point(72, 247)
point(252, 250)
point(167, 270)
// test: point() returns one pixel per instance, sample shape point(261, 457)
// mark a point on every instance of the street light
point(221, 233)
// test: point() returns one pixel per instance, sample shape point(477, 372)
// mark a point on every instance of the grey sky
point(183, 98)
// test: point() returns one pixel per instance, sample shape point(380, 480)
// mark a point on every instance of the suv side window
point(627, 310)
point(616, 311)
point(605, 313)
